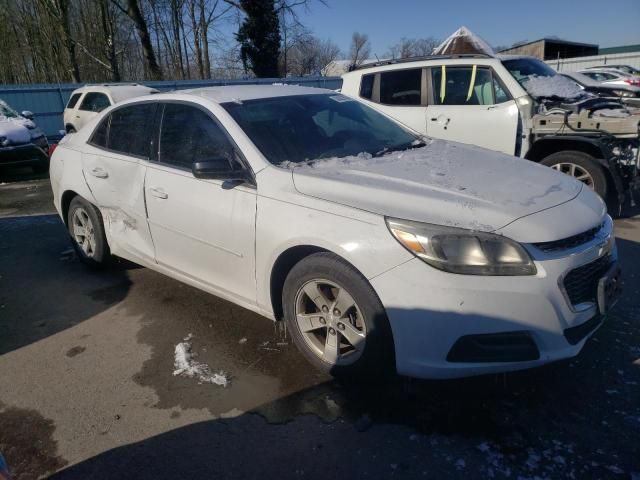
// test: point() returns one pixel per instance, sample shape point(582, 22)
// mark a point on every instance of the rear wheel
point(581, 166)
point(336, 319)
point(87, 233)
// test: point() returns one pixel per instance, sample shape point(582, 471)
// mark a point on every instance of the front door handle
point(158, 193)
point(99, 172)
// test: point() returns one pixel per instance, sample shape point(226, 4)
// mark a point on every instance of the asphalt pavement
point(87, 389)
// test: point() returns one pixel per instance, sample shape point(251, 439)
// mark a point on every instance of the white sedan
point(379, 248)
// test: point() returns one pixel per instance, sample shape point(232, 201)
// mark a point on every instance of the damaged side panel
point(117, 185)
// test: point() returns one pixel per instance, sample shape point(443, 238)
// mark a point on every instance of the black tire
point(377, 357)
point(100, 255)
point(583, 161)
point(42, 167)
point(71, 129)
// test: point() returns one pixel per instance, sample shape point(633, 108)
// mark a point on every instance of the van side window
point(366, 86)
point(187, 135)
point(95, 102)
point(461, 86)
point(73, 100)
point(401, 87)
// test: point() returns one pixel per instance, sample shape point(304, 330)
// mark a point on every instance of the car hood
point(15, 130)
point(443, 183)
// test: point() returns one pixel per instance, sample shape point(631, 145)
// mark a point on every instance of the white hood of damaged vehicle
point(15, 130)
point(443, 183)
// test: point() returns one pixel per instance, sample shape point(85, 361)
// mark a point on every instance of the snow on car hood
point(15, 130)
point(443, 183)
point(553, 87)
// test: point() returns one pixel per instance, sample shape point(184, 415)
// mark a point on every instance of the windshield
point(523, 69)
point(7, 111)
point(542, 81)
point(302, 128)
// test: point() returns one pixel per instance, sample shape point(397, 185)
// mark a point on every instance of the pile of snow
point(463, 41)
point(186, 366)
point(550, 87)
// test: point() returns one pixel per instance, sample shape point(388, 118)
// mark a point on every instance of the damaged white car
point(22, 143)
point(381, 250)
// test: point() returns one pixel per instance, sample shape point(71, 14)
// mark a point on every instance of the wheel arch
point(65, 201)
point(283, 265)
point(553, 144)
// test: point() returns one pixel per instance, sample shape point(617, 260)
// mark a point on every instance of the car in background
point(22, 143)
point(628, 94)
point(86, 102)
point(608, 76)
point(622, 68)
point(381, 249)
point(513, 104)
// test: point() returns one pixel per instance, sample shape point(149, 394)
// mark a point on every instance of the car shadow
point(576, 417)
point(44, 289)
point(20, 174)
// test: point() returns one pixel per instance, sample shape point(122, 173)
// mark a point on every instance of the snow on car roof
point(118, 92)
point(234, 93)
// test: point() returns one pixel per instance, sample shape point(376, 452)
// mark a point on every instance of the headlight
point(457, 250)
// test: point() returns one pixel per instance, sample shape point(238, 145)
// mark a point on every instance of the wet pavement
point(87, 387)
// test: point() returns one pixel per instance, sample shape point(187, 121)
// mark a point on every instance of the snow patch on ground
point(184, 365)
point(556, 86)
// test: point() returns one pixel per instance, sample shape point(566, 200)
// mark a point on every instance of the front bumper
point(26, 154)
point(430, 311)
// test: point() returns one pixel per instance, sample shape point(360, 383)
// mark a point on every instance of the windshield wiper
point(401, 147)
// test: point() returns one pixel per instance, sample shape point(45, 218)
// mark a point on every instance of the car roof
point(117, 91)
point(239, 93)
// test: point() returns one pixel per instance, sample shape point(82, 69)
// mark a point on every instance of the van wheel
point(71, 129)
point(336, 319)
point(86, 229)
point(581, 166)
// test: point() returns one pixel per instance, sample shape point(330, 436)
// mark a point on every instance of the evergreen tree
point(259, 37)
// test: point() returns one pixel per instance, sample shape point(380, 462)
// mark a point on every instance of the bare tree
point(134, 12)
point(413, 47)
point(360, 48)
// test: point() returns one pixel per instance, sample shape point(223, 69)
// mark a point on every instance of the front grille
point(570, 242)
point(581, 284)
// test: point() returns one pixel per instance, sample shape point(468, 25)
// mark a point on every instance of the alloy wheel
point(575, 171)
point(330, 322)
point(83, 232)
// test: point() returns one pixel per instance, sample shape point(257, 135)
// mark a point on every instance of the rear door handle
point(99, 172)
point(158, 193)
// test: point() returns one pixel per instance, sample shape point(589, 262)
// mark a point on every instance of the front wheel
point(581, 166)
point(336, 319)
point(87, 233)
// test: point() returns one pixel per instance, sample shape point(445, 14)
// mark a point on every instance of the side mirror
point(27, 114)
point(219, 169)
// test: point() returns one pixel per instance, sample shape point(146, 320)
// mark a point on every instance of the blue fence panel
point(47, 101)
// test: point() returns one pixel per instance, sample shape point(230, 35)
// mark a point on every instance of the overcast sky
point(499, 22)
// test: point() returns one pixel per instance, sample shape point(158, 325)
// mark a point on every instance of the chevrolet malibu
point(380, 249)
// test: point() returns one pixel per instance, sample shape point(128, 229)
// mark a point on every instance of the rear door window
point(188, 135)
point(94, 102)
point(465, 86)
point(129, 129)
point(73, 100)
point(366, 86)
point(99, 136)
point(401, 87)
